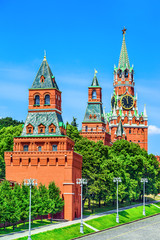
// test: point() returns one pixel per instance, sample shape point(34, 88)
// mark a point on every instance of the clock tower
point(124, 107)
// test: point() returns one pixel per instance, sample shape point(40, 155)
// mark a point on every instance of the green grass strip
point(65, 233)
point(100, 223)
point(21, 226)
point(126, 216)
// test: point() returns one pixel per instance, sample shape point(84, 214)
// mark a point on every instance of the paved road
point(147, 229)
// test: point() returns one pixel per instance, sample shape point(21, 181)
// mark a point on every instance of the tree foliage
point(8, 121)
point(6, 143)
point(123, 159)
point(14, 203)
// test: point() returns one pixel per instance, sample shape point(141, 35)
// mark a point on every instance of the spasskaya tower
point(124, 110)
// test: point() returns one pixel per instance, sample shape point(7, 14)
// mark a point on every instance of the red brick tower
point(93, 125)
point(43, 151)
point(124, 104)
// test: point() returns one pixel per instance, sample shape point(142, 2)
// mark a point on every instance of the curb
point(115, 226)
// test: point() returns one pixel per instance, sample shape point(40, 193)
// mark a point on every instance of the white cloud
point(153, 129)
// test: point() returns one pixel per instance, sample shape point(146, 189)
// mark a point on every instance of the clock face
point(127, 102)
point(113, 101)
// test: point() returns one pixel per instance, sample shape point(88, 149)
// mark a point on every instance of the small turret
point(120, 131)
point(145, 112)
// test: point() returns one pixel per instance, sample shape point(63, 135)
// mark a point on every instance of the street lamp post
point(144, 180)
point(81, 181)
point(30, 182)
point(117, 180)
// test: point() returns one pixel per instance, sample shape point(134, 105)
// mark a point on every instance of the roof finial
point(124, 30)
point(44, 55)
point(95, 72)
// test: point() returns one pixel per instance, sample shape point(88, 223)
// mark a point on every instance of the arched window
point(39, 148)
point(86, 128)
point(94, 94)
point(126, 73)
point(37, 100)
point(47, 99)
point(25, 148)
point(119, 73)
point(54, 147)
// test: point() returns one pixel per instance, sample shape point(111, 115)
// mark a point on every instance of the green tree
point(2, 168)
point(6, 143)
point(57, 202)
point(73, 133)
point(8, 121)
point(45, 202)
point(23, 201)
point(11, 204)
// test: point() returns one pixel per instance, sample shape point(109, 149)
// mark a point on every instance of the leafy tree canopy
point(123, 159)
point(8, 121)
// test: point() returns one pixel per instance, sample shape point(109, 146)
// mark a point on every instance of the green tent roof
point(49, 79)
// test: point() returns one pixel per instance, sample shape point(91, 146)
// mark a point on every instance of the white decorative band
point(69, 193)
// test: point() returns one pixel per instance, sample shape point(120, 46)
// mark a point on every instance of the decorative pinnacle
point(44, 55)
point(145, 112)
point(95, 72)
point(123, 60)
point(124, 31)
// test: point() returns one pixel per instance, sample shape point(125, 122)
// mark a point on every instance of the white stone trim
point(69, 193)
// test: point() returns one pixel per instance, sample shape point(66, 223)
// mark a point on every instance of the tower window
point(52, 128)
point(54, 147)
point(126, 73)
point(37, 100)
point(138, 140)
point(29, 128)
point(86, 128)
point(119, 73)
point(41, 128)
point(129, 130)
point(94, 94)
point(47, 100)
point(39, 148)
point(25, 148)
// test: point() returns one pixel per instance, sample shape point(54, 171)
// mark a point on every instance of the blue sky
point(79, 36)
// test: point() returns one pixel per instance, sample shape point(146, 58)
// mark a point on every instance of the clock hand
point(127, 99)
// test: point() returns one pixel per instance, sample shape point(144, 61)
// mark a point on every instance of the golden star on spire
point(124, 30)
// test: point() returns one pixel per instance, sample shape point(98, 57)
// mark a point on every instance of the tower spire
point(120, 130)
point(95, 80)
point(123, 59)
point(44, 59)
